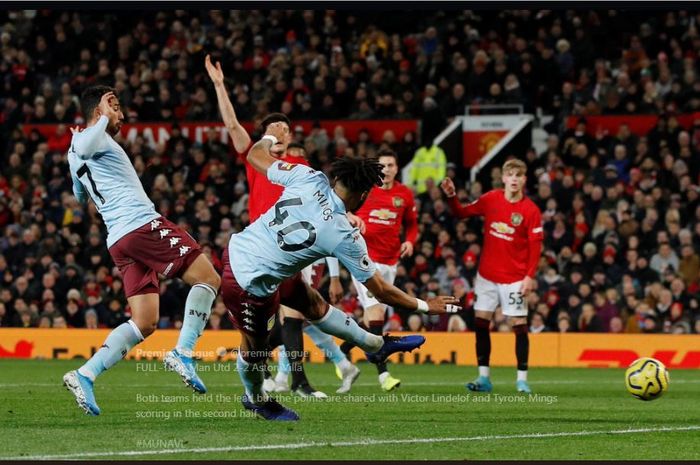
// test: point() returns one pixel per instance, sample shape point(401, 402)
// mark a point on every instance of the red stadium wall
point(546, 349)
point(157, 133)
point(638, 124)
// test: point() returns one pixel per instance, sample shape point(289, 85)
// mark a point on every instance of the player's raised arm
point(259, 155)
point(239, 136)
point(461, 211)
point(391, 295)
point(86, 143)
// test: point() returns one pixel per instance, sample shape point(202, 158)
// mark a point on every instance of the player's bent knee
point(146, 327)
point(202, 271)
point(317, 305)
point(318, 309)
point(213, 279)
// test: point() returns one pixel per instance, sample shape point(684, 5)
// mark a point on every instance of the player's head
point(513, 177)
point(390, 162)
point(296, 149)
point(280, 148)
point(90, 101)
point(354, 177)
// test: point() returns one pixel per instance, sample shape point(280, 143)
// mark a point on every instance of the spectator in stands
point(428, 163)
point(623, 200)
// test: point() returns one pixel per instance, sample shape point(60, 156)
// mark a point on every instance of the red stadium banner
point(638, 124)
point(546, 349)
point(159, 133)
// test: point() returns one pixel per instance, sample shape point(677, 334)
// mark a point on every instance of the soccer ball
point(646, 378)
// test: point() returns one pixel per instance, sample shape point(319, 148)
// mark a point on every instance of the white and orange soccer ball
point(646, 378)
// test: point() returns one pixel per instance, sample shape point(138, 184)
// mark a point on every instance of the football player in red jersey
point(263, 195)
point(512, 245)
point(385, 211)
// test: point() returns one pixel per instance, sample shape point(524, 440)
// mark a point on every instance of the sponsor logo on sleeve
point(365, 262)
point(284, 166)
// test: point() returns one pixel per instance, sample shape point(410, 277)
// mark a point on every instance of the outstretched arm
point(461, 211)
point(239, 136)
point(392, 295)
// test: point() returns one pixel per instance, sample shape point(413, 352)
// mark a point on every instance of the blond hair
point(514, 164)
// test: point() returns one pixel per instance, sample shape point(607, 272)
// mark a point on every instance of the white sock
point(337, 323)
point(282, 378)
point(252, 379)
point(118, 343)
point(383, 376)
point(197, 311)
point(344, 364)
point(485, 371)
point(522, 375)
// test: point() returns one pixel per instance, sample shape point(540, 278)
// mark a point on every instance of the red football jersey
point(262, 193)
point(512, 235)
point(384, 212)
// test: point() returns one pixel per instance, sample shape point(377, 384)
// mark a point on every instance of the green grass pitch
point(578, 414)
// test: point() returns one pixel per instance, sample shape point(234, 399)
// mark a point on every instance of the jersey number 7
point(85, 170)
point(281, 216)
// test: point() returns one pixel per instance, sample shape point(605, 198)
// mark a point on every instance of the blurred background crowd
point(621, 211)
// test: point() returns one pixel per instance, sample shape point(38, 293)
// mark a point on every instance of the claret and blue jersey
point(101, 169)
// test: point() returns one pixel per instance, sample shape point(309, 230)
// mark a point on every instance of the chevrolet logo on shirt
point(502, 228)
point(383, 214)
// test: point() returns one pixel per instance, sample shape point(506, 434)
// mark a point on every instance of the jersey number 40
point(281, 216)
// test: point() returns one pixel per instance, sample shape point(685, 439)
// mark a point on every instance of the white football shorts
point(388, 273)
point(490, 295)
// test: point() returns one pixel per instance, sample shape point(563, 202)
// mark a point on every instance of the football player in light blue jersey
point(143, 245)
point(308, 222)
point(292, 293)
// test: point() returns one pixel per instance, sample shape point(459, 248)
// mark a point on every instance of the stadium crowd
point(621, 212)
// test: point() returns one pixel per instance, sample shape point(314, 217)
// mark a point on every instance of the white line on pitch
point(367, 442)
point(234, 382)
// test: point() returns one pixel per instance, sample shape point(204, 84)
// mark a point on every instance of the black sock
point(293, 341)
point(346, 347)
point(275, 337)
point(375, 327)
point(274, 340)
point(483, 341)
point(522, 346)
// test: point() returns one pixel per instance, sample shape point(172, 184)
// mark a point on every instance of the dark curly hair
point(357, 174)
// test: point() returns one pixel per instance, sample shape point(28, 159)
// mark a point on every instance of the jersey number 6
point(281, 216)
